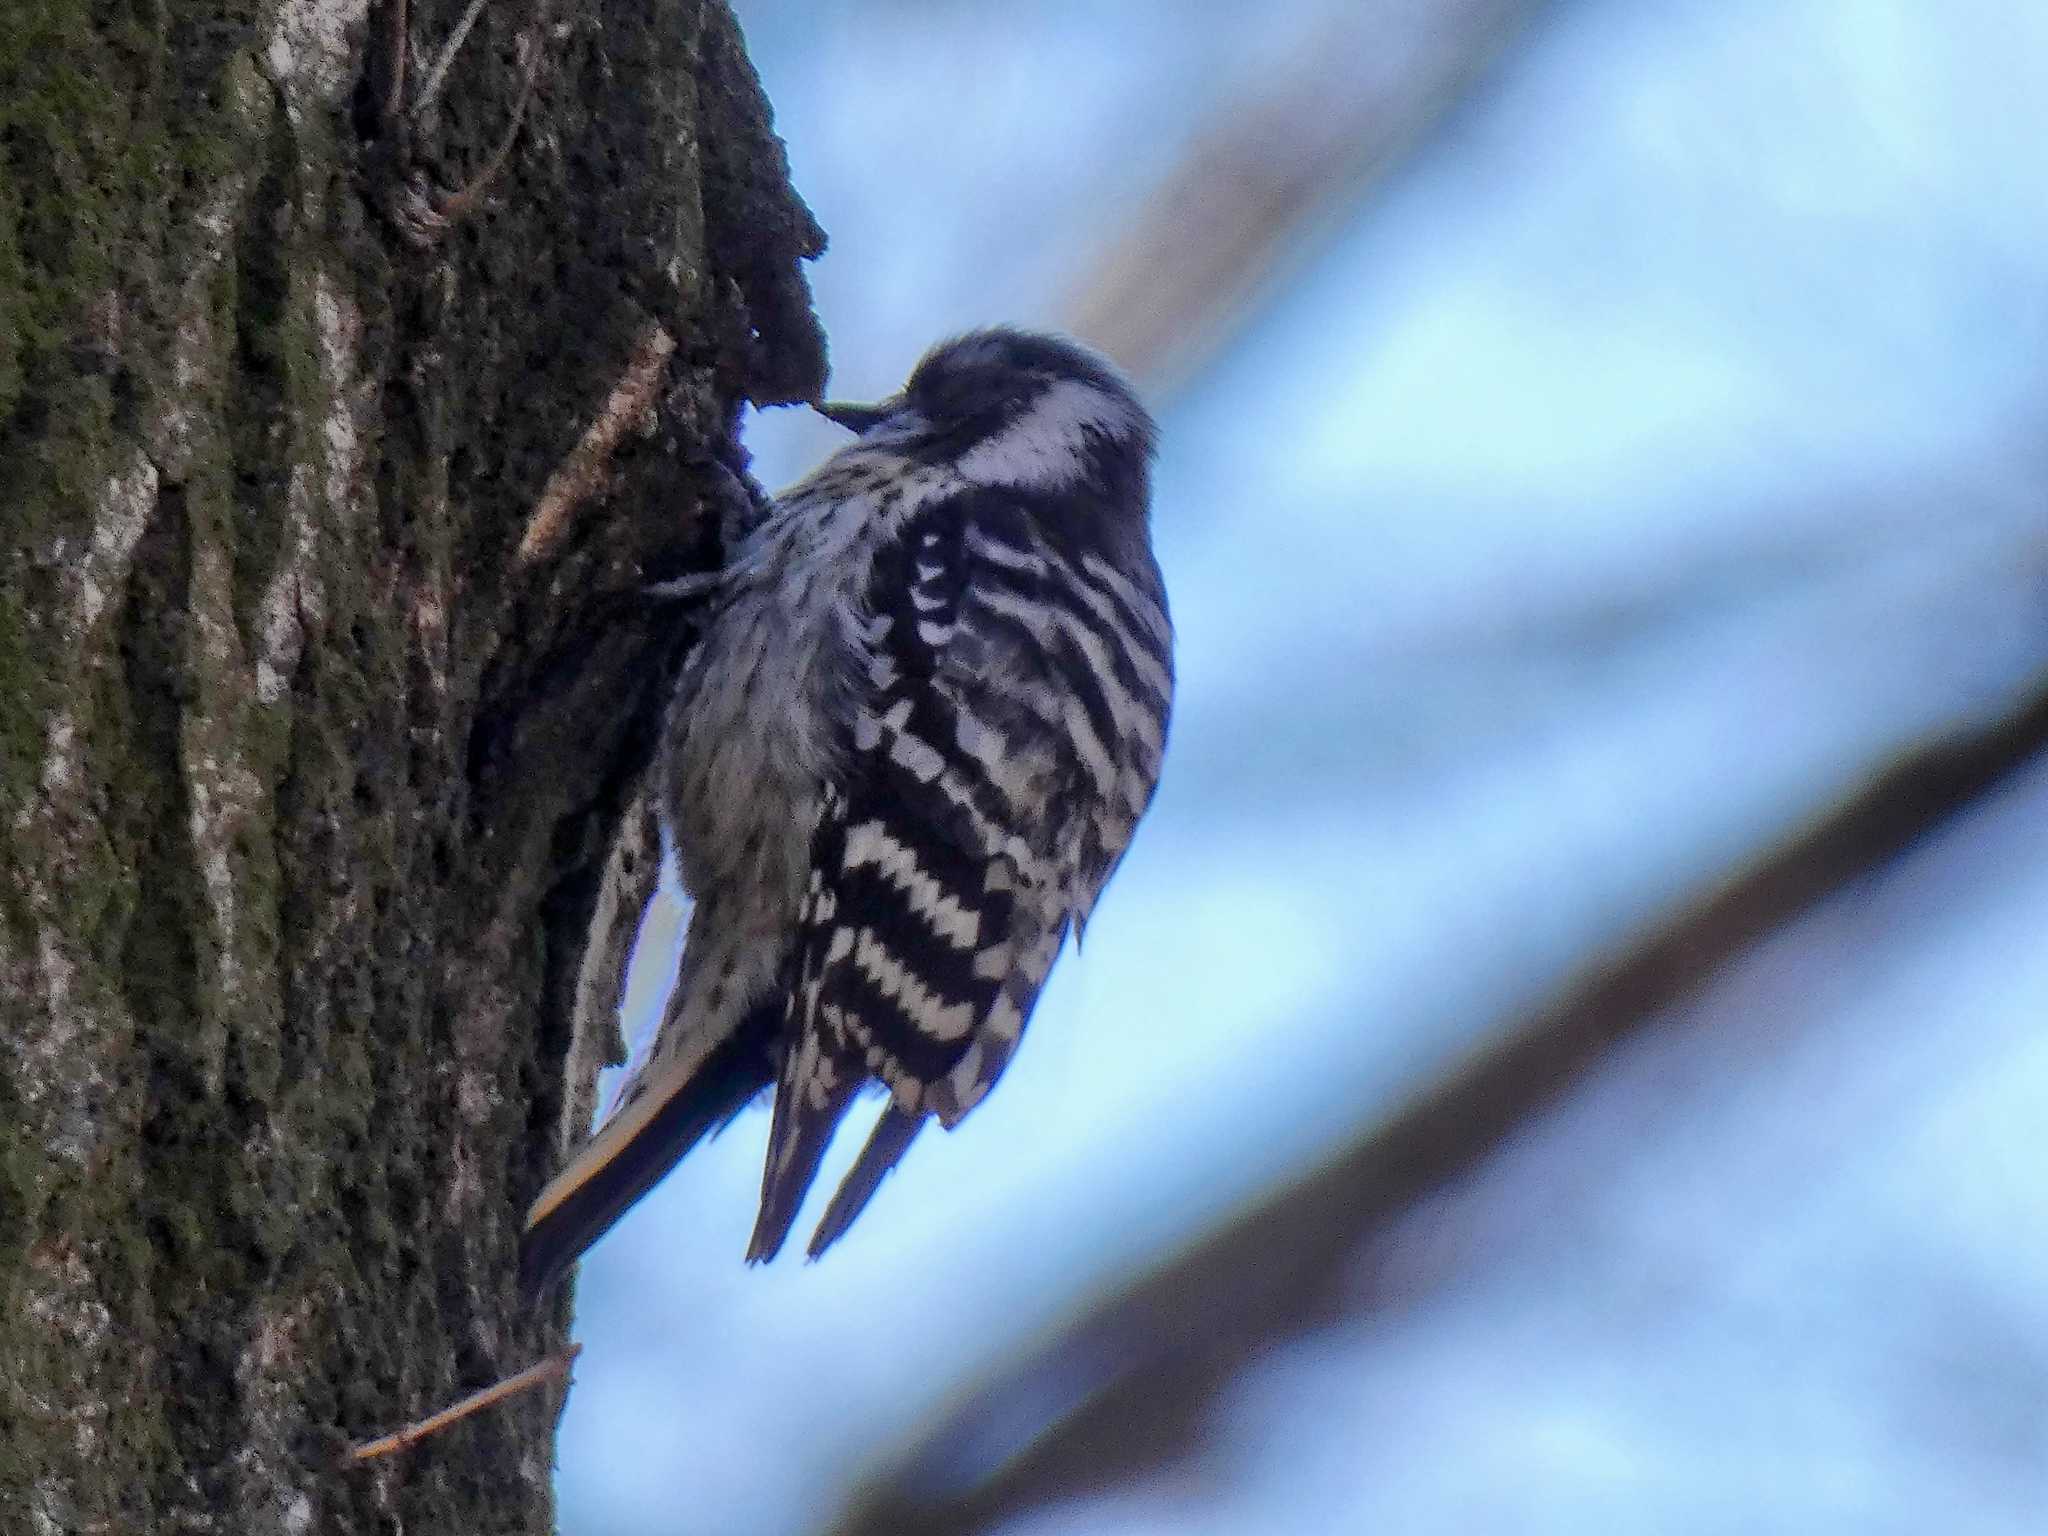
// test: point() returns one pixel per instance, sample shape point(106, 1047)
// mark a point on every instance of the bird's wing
point(1004, 752)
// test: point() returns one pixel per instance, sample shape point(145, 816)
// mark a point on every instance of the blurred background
point(1565, 1051)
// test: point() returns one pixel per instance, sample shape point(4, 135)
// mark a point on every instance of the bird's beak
point(855, 418)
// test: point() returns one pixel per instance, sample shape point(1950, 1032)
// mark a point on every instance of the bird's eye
point(963, 394)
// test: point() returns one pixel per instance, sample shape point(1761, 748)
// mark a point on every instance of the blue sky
point(1651, 458)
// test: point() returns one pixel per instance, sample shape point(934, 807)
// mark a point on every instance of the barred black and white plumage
point(913, 743)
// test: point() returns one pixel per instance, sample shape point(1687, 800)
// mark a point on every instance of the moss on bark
point(309, 786)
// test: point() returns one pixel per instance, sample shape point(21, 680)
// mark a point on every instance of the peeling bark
point(323, 838)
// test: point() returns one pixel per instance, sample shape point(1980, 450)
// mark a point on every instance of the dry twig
point(578, 475)
point(405, 1439)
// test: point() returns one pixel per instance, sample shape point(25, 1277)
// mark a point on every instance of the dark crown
point(996, 372)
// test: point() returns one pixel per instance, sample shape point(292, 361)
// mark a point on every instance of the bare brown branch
point(1146, 1366)
point(412, 1434)
point(1282, 163)
point(580, 474)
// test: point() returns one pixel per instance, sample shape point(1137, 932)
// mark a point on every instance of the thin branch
point(394, 100)
point(424, 215)
point(555, 1365)
point(457, 204)
point(1287, 156)
point(432, 85)
point(578, 475)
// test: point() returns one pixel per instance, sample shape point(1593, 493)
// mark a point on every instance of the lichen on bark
point(311, 790)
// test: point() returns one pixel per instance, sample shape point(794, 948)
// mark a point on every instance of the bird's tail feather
point(644, 1138)
point(887, 1143)
point(816, 1086)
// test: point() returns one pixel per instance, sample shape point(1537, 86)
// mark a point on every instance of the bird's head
point(1011, 407)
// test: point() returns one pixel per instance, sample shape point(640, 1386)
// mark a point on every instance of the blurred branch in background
point(1281, 166)
point(1598, 441)
point(1129, 1388)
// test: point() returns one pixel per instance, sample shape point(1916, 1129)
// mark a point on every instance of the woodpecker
point(925, 715)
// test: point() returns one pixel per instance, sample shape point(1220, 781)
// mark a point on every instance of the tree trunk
point(320, 787)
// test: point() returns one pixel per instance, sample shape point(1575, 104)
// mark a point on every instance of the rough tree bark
point(319, 799)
